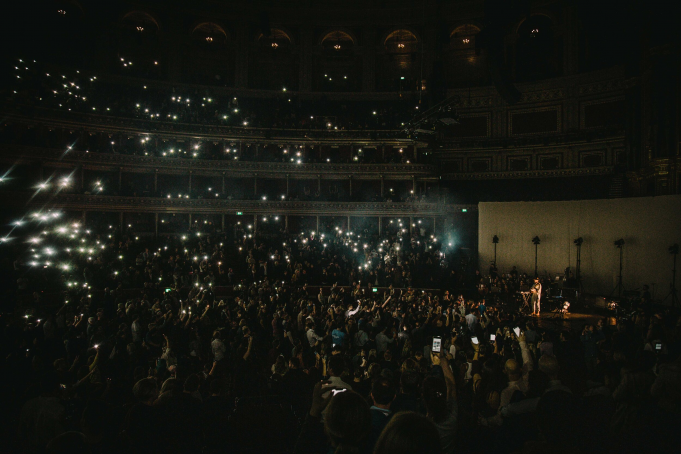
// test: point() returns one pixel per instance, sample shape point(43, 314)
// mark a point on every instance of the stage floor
point(571, 321)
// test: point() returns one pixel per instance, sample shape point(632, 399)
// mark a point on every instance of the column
point(155, 225)
point(305, 59)
point(155, 181)
point(190, 182)
point(434, 225)
point(190, 221)
point(570, 40)
point(176, 50)
point(380, 225)
point(120, 179)
point(382, 186)
point(509, 52)
point(223, 184)
point(413, 183)
point(120, 221)
point(241, 57)
point(286, 223)
point(319, 184)
point(411, 225)
point(255, 223)
point(369, 60)
point(318, 225)
point(287, 185)
point(350, 185)
point(81, 179)
point(255, 186)
point(349, 223)
point(223, 219)
point(84, 217)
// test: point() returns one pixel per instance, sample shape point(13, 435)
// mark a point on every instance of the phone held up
point(437, 344)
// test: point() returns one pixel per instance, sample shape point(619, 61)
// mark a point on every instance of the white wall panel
point(649, 225)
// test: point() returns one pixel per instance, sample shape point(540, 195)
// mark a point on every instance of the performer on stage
point(536, 297)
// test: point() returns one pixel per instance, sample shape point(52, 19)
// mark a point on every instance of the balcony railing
point(76, 202)
point(218, 132)
point(142, 164)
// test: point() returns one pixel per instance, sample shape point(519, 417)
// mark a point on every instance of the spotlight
point(673, 249)
point(579, 241)
point(536, 240)
point(495, 239)
point(619, 243)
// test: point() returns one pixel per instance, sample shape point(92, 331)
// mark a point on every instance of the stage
point(570, 321)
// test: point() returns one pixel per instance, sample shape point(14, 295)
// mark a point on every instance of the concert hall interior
point(357, 226)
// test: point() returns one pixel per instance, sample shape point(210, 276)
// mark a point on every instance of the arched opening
point(464, 67)
point(337, 68)
point(537, 56)
point(209, 34)
point(137, 52)
point(63, 26)
point(463, 37)
point(338, 42)
point(274, 62)
point(209, 61)
point(401, 42)
point(277, 40)
point(399, 69)
point(69, 10)
point(140, 23)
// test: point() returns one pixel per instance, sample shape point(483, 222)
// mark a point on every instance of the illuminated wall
point(648, 225)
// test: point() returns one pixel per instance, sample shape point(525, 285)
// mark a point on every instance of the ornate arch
point(546, 14)
point(142, 19)
point(535, 55)
point(401, 40)
point(66, 7)
point(338, 36)
point(277, 36)
point(209, 32)
point(466, 33)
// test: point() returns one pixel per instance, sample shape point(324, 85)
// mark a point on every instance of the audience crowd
point(315, 342)
point(309, 343)
point(67, 90)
